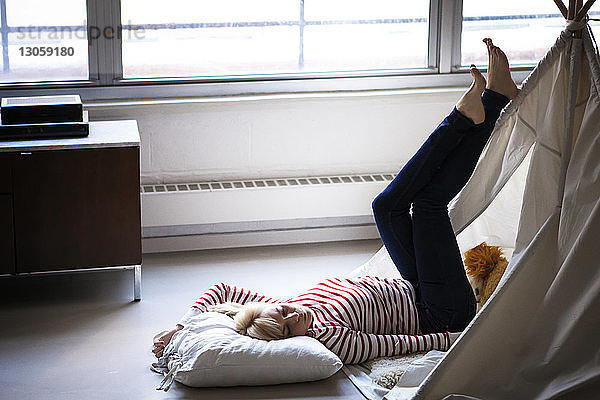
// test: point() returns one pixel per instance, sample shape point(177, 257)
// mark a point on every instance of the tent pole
point(571, 13)
point(574, 71)
point(584, 9)
point(578, 6)
point(562, 8)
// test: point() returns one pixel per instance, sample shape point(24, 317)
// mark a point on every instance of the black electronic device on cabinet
point(43, 117)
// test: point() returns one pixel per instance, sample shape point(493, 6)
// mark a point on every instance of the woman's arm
point(223, 293)
point(355, 346)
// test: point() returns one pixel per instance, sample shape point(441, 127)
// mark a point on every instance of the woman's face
point(294, 319)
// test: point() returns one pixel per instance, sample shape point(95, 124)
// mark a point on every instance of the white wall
point(263, 136)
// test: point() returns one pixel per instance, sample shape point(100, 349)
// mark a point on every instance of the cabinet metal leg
point(137, 283)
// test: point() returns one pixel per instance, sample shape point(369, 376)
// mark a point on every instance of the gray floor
point(81, 337)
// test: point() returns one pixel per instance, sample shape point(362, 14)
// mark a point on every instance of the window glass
point(396, 35)
point(262, 37)
point(524, 29)
point(594, 13)
point(45, 41)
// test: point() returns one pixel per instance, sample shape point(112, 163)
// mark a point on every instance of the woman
point(368, 317)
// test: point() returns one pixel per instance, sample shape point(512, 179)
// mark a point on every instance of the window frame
point(444, 70)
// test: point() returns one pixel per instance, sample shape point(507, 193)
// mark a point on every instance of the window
point(594, 14)
point(154, 48)
point(242, 37)
point(524, 29)
point(383, 34)
point(43, 40)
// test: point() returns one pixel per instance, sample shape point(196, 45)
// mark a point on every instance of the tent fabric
point(536, 338)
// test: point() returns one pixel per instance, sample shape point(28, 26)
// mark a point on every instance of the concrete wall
point(265, 136)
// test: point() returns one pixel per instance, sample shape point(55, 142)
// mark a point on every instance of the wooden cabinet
point(7, 252)
point(73, 205)
point(77, 208)
point(5, 174)
point(7, 246)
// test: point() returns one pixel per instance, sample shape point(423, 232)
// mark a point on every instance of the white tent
point(538, 336)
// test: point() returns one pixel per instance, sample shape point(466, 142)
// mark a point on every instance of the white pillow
point(209, 352)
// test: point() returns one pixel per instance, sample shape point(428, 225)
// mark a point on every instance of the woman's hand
point(163, 340)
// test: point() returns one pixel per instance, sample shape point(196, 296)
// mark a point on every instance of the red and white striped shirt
point(356, 318)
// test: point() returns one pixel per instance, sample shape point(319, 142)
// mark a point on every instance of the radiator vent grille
point(264, 183)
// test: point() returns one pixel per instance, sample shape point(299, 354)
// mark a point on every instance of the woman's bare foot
point(470, 104)
point(163, 341)
point(499, 79)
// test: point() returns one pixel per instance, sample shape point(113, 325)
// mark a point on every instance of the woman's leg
point(447, 301)
point(391, 207)
point(446, 298)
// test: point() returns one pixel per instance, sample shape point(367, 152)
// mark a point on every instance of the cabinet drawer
point(7, 247)
point(5, 173)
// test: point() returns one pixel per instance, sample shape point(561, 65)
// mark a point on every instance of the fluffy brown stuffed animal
point(484, 265)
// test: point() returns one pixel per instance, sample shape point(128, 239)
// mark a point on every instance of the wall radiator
point(193, 216)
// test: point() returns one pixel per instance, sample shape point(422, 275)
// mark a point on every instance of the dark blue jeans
point(423, 245)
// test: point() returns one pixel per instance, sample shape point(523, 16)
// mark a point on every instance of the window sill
point(152, 93)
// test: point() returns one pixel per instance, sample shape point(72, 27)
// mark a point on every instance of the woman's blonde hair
point(248, 319)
